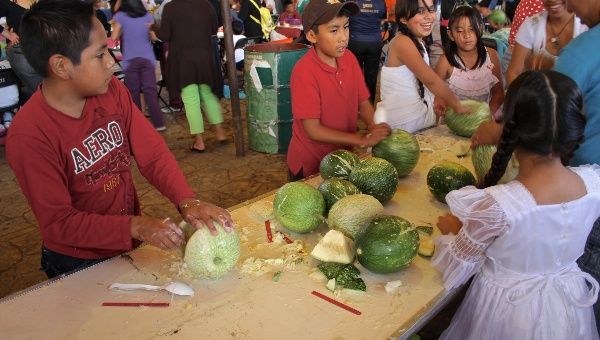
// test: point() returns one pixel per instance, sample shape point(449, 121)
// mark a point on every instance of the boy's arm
point(158, 165)
point(323, 134)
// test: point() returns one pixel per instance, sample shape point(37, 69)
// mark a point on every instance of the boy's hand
point(377, 132)
point(202, 214)
point(449, 223)
point(163, 234)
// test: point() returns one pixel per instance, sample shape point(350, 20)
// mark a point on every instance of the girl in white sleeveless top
point(471, 70)
point(407, 81)
point(522, 239)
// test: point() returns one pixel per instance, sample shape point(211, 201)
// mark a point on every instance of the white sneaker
point(161, 128)
point(169, 109)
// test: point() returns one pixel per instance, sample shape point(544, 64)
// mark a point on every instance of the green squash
point(447, 176)
point(376, 177)
point(338, 164)
point(466, 124)
point(389, 244)
point(299, 207)
point(401, 149)
point(334, 189)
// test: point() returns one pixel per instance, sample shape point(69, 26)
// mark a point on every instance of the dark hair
point(344, 12)
point(237, 27)
point(133, 8)
point(52, 27)
point(451, 49)
point(287, 2)
point(406, 9)
point(543, 113)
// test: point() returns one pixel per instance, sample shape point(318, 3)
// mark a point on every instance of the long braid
point(506, 146)
point(402, 28)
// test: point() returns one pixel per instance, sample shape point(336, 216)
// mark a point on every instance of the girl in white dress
point(471, 70)
point(521, 239)
point(407, 81)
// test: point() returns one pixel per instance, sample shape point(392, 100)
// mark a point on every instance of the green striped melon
point(401, 149)
point(299, 207)
point(376, 177)
point(466, 124)
point(482, 161)
point(447, 176)
point(334, 189)
point(338, 164)
point(389, 244)
point(211, 256)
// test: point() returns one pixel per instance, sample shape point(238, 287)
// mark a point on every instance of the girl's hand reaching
point(449, 224)
point(439, 107)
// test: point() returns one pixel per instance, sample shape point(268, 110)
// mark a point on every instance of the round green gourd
point(376, 177)
point(299, 207)
point(338, 164)
point(401, 149)
point(334, 189)
point(211, 256)
point(482, 161)
point(389, 244)
point(466, 124)
point(447, 176)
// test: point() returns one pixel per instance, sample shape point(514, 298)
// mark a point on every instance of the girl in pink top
point(470, 69)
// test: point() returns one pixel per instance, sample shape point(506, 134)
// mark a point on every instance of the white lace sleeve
point(459, 257)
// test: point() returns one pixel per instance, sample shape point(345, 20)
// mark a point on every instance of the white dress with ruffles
point(474, 84)
point(527, 284)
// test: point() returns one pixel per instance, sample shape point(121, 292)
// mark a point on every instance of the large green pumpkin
point(334, 189)
point(376, 177)
point(466, 124)
point(482, 161)
point(401, 149)
point(338, 164)
point(447, 176)
point(299, 207)
point(389, 244)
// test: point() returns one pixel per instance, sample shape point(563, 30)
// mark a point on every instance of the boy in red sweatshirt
point(72, 144)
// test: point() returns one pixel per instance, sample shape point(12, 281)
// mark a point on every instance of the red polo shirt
point(329, 94)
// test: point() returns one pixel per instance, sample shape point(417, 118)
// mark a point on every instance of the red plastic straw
point(286, 238)
point(268, 229)
point(337, 303)
point(135, 304)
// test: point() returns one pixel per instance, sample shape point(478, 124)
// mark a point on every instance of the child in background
point(406, 78)
point(521, 239)
point(238, 33)
point(471, 70)
point(328, 90)
point(133, 21)
point(288, 13)
point(500, 31)
point(72, 144)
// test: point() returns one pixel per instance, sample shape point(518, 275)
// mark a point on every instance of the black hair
point(52, 27)
point(344, 12)
point(543, 112)
point(133, 8)
point(406, 9)
point(451, 49)
point(287, 2)
point(237, 27)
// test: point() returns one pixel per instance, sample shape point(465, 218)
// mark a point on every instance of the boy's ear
point(404, 21)
point(60, 65)
point(311, 36)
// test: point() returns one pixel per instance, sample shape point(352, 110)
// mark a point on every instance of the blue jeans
point(55, 264)
point(589, 262)
point(28, 76)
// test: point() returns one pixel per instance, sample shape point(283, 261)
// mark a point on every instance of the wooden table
point(244, 304)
